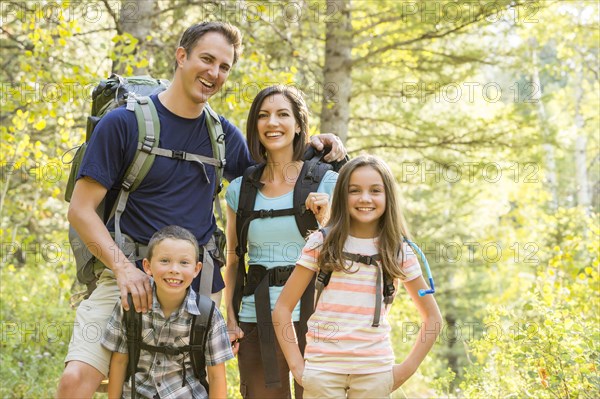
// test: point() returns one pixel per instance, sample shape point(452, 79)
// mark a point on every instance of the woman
point(277, 132)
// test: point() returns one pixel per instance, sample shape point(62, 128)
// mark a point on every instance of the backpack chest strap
point(186, 156)
point(386, 295)
point(170, 350)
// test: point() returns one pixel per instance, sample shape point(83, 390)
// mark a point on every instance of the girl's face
point(276, 124)
point(366, 202)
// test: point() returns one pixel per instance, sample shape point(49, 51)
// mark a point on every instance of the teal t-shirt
point(273, 242)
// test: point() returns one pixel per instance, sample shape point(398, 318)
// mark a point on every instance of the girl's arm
point(118, 370)
point(282, 319)
point(235, 333)
point(431, 325)
point(217, 381)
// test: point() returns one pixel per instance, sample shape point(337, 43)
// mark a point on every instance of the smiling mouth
point(365, 209)
point(274, 134)
point(172, 281)
point(206, 83)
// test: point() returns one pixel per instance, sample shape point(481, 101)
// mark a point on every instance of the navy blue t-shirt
point(174, 192)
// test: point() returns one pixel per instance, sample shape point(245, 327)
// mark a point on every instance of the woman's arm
point(282, 319)
point(431, 325)
point(118, 370)
point(235, 333)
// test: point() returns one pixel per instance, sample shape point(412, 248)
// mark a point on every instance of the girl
point(277, 132)
point(347, 354)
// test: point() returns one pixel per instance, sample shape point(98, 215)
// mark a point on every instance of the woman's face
point(276, 124)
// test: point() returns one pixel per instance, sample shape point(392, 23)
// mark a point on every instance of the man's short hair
point(190, 37)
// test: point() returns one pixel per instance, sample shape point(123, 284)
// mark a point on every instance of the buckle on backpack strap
point(148, 144)
point(279, 275)
point(367, 260)
point(178, 154)
point(265, 213)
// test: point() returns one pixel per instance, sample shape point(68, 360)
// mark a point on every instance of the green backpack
point(134, 91)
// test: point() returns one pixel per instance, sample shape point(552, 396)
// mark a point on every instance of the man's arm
point(82, 215)
point(118, 368)
point(217, 381)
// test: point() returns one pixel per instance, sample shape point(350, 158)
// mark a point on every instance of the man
point(173, 192)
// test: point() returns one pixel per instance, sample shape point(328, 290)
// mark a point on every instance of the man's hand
point(132, 280)
point(338, 151)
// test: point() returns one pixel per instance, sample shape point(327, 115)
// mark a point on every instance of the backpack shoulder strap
point(311, 174)
point(200, 329)
point(248, 189)
point(323, 277)
point(148, 139)
point(133, 327)
point(217, 141)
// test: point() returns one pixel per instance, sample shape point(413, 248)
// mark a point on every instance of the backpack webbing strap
point(248, 189)
point(199, 331)
point(133, 327)
point(208, 267)
point(201, 325)
point(148, 137)
point(309, 179)
point(387, 294)
point(322, 277)
point(259, 280)
point(217, 141)
point(373, 261)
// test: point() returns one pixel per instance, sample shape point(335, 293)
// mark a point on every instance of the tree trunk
point(583, 193)
point(135, 18)
point(550, 167)
point(337, 80)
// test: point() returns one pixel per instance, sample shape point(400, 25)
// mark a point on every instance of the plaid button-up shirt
point(161, 373)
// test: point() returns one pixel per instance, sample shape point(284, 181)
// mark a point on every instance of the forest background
point(487, 112)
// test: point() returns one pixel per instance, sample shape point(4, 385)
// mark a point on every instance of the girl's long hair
point(392, 226)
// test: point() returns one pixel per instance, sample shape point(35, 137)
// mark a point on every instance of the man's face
point(206, 68)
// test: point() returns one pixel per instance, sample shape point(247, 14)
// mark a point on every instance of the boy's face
point(173, 266)
point(206, 68)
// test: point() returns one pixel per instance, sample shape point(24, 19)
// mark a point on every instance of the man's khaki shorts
point(90, 323)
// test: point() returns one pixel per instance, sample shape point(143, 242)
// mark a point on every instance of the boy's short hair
point(175, 233)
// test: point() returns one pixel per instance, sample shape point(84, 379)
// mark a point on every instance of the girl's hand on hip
point(401, 372)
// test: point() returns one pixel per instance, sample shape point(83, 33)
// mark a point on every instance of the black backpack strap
point(372, 260)
point(388, 284)
point(200, 329)
point(322, 277)
point(310, 152)
point(248, 190)
point(312, 172)
point(133, 328)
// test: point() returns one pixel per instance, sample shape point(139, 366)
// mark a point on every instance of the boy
point(172, 262)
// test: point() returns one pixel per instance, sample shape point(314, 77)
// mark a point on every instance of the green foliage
point(551, 332)
point(521, 324)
